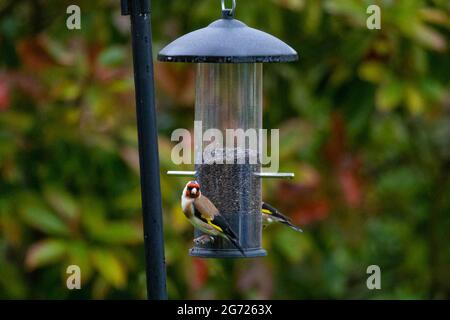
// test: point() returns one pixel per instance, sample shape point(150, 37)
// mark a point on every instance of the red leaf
point(303, 203)
point(5, 97)
point(344, 163)
point(259, 280)
point(34, 54)
point(200, 273)
point(27, 83)
point(314, 211)
point(336, 145)
point(178, 83)
point(350, 183)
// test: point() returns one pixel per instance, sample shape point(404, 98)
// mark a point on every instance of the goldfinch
point(204, 215)
point(270, 215)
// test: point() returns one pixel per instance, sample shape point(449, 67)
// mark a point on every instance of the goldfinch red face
point(192, 189)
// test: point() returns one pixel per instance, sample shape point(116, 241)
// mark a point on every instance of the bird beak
point(194, 191)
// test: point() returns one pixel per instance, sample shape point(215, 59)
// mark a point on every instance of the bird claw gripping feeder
point(229, 57)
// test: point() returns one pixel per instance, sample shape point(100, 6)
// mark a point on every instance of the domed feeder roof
point(227, 41)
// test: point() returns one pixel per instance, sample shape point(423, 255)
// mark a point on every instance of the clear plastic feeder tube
point(229, 104)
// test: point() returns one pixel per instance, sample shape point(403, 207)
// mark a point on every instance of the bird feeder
point(229, 57)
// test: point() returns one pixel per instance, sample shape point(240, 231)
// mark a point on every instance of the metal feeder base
point(230, 253)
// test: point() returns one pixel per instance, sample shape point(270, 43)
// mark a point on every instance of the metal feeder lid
point(227, 41)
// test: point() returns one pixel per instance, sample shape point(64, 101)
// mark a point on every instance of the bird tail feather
point(292, 226)
point(237, 245)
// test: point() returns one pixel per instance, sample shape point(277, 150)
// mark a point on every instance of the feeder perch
point(229, 57)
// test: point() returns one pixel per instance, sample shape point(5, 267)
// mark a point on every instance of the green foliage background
point(365, 125)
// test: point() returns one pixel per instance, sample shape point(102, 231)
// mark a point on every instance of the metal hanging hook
point(228, 13)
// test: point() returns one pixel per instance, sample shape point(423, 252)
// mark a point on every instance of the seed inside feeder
point(235, 191)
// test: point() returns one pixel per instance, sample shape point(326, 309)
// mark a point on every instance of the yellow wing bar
point(215, 226)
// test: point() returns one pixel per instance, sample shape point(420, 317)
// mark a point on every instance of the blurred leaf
point(432, 89)
point(430, 38)
point(313, 16)
point(12, 284)
point(122, 232)
point(178, 220)
point(100, 289)
point(200, 274)
point(112, 56)
point(351, 183)
point(12, 229)
point(291, 244)
point(414, 100)
point(178, 82)
point(131, 157)
point(44, 220)
point(372, 71)
point(92, 214)
point(389, 95)
point(4, 94)
point(34, 54)
point(66, 90)
point(292, 4)
point(130, 200)
point(21, 120)
point(436, 16)
point(257, 284)
point(62, 203)
point(109, 267)
point(353, 9)
point(44, 253)
point(78, 254)
point(390, 139)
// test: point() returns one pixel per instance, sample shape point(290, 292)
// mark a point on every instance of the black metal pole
point(139, 11)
